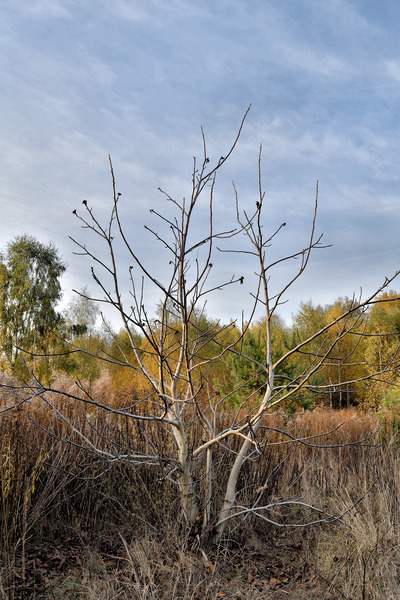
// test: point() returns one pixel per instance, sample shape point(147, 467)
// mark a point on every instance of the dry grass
point(73, 527)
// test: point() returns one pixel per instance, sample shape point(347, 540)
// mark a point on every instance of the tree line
point(34, 334)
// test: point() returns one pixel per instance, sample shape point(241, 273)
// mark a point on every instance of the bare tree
point(172, 356)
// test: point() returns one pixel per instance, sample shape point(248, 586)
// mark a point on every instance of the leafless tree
point(172, 356)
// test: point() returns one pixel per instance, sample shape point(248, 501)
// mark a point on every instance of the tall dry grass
point(52, 489)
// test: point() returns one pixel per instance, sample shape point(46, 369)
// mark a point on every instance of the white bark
point(231, 488)
point(189, 500)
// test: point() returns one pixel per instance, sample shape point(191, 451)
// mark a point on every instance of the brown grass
point(72, 526)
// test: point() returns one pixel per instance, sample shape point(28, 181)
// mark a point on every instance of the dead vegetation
point(76, 526)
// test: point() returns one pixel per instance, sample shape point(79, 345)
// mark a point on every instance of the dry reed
point(51, 489)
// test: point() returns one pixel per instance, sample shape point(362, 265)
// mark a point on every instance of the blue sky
point(81, 79)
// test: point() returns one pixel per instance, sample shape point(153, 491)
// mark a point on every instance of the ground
point(80, 566)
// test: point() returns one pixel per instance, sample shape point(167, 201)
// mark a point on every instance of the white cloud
point(155, 11)
point(43, 8)
point(313, 61)
point(137, 79)
point(393, 69)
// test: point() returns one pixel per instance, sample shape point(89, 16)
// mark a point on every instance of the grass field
point(74, 526)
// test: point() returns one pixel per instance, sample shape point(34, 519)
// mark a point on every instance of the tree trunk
point(189, 500)
point(230, 493)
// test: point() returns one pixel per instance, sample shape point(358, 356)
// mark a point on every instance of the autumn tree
point(344, 367)
point(344, 364)
point(382, 349)
point(79, 341)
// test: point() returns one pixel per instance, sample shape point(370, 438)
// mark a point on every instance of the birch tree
point(30, 290)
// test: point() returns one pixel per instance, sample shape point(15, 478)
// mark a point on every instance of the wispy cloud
point(47, 9)
point(393, 69)
point(82, 79)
